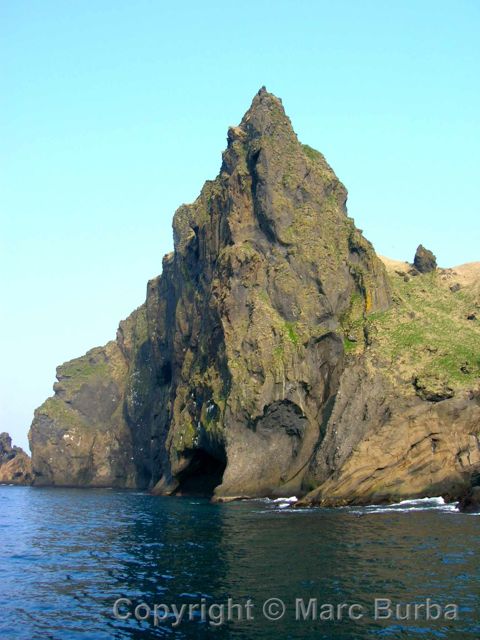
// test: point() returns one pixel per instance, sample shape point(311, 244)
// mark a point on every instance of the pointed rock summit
point(235, 376)
point(424, 260)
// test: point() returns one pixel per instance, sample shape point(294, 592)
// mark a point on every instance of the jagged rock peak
point(5, 442)
point(424, 260)
point(262, 151)
point(264, 123)
point(15, 464)
point(266, 116)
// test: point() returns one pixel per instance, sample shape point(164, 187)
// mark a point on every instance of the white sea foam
point(422, 501)
point(277, 503)
point(436, 503)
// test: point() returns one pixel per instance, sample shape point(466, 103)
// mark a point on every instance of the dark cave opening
point(202, 475)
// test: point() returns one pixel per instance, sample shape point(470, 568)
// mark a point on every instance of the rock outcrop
point(470, 501)
point(274, 355)
point(424, 260)
point(86, 434)
point(406, 420)
point(15, 464)
point(388, 446)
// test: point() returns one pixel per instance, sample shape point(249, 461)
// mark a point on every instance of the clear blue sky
point(114, 112)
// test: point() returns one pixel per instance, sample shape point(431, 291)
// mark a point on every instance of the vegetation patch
point(426, 333)
point(291, 332)
point(312, 153)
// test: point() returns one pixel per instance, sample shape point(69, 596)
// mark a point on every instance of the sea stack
point(256, 365)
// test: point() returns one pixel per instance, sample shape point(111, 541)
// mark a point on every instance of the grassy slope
point(426, 333)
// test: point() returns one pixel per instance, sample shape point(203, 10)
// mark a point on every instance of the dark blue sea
point(68, 555)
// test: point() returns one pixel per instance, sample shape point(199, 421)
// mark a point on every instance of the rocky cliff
point(406, 418)
point(15, 464)
point(273, 355)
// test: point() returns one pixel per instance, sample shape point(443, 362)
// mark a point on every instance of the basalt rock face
point(15, 464)
point(385, 445)
point(225, 379)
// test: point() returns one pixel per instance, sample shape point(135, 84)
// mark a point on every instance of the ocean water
point(67, 555)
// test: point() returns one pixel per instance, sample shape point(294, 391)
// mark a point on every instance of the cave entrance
point(202, 475)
